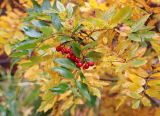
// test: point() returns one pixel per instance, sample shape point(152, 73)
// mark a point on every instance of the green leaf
point(46, 5)
point(47, 31)
point(82, 75)
point(14, 62)
point(56, 21)
point(77, 28)
point(93, 55)
point(31, 32)
point(19, 54)
point(90, 45)
point(63, 39)
point(37, 7)
point(36, 59)
point(27, 64)
point(83, 90)
point(44, 47)
point(120, 16)
point(134, 37)
point(93, 101)
point(60, 6)
point(28, 44)
point(64, 72)
point(29, 99)
point(65, 62)
point(61, 88)
point(147, 34)
point(138, 62)
point(76, 49)
point(139, 24)
point(69, 8)
point(39, 24)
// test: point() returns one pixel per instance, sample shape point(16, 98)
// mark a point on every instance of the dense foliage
point(86, 56)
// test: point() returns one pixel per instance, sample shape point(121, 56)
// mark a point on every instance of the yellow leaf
point(114, 89)
point(7, 49)
point(140, 72)
point(64, 96)
point(122, 45)
point(122, 100)
point(30, 73)
point(96, 5)
point(136, 79)
point(146, 101)
point(95, 91)
point(78, 101)
point(47, 103)
point(97, 83)
point(135, 104)
point(156, 46)
point(93, 3)
point(153, 93)
point(138, 62)
point(48, 98)
point(67, 104)
point(120, 16)
point(2, 40)
point(156, 75)
point(134, 95)
point(154, 83)
point(135, 88)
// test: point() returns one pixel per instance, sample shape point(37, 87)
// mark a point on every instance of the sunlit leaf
point(146, 101)
point(134, 95)
point(139, 24)
point(138, 62)
point(136, 79)
point(31, 32)
point(121, 15)
point(69, 9)
point(60, 6)
point(7, 49)
point(135, 104)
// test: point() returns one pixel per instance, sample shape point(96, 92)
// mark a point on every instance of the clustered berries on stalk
point(71, 56)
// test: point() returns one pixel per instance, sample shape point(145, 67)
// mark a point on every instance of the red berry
point(90, 63)
point(86, 66)
point(70, 51)
point(72, 57)
point(59, 48)
point(65, 50)
point(79, 64)
point(77, 60)
point(69, 56)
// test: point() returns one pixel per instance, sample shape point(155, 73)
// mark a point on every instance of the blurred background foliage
point(22, 99)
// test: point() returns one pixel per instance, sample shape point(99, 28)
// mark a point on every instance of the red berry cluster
point(72, 57)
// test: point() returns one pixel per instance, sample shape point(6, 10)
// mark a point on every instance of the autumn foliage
point(81, 58)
